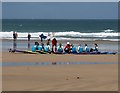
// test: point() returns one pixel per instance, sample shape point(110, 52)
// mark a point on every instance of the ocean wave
point(108, 30)
point(61, 35)
point(78, 34)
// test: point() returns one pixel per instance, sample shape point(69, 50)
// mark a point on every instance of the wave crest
point(62, 35)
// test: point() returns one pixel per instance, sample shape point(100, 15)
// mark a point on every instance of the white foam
point(70, 35)
point(78, 34)
point(108, 30)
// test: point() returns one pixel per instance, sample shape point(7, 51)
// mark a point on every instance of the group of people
point(15, 36)
point(41, 36)
point(47, 47)
point(68, 48)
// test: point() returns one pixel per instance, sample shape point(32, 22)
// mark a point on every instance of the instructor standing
point(29, 36)
point(14, 40)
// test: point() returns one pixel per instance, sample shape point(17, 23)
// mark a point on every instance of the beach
point(60, 77)
point(60, 72)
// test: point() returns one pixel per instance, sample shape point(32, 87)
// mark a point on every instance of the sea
point(61, 29)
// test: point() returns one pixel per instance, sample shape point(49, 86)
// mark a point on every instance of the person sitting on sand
point(47, 48)
point(80, 49)
point(91, 50)
point(86, 48)
point(73, 50)
point(67, 48)
point(35, 47)
point(40, 47)
point(96, 47)
point(60, 48)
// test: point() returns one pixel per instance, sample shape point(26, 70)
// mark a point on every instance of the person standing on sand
point(54, 45)
point(15, 35)
point(42, 37)
point(29, 36)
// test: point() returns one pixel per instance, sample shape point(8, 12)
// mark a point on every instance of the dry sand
point(84, 77)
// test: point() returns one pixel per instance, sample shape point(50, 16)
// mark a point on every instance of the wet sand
point(83, 77)
point(65, 41)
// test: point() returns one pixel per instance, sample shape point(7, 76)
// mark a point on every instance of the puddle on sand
point(51, 63)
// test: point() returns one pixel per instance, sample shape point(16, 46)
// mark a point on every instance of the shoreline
point(110, 46)
point(61, 40)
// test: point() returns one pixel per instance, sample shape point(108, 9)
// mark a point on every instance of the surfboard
point(42, 52)
point(28, 51)
point(22, 51)
point(97, 53)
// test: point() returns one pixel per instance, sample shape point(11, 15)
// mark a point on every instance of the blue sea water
point(61, 29)
point(69, 29)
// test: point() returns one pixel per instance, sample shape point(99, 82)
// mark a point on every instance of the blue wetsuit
point(80, 50)
point(60, 49)
point(34, 48)
point(47, 49)
point(74, 49)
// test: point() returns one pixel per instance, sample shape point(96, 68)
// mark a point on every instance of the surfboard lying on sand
point(22, 51)
point(42, 52)
point(28, 51)
point(97, 53)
